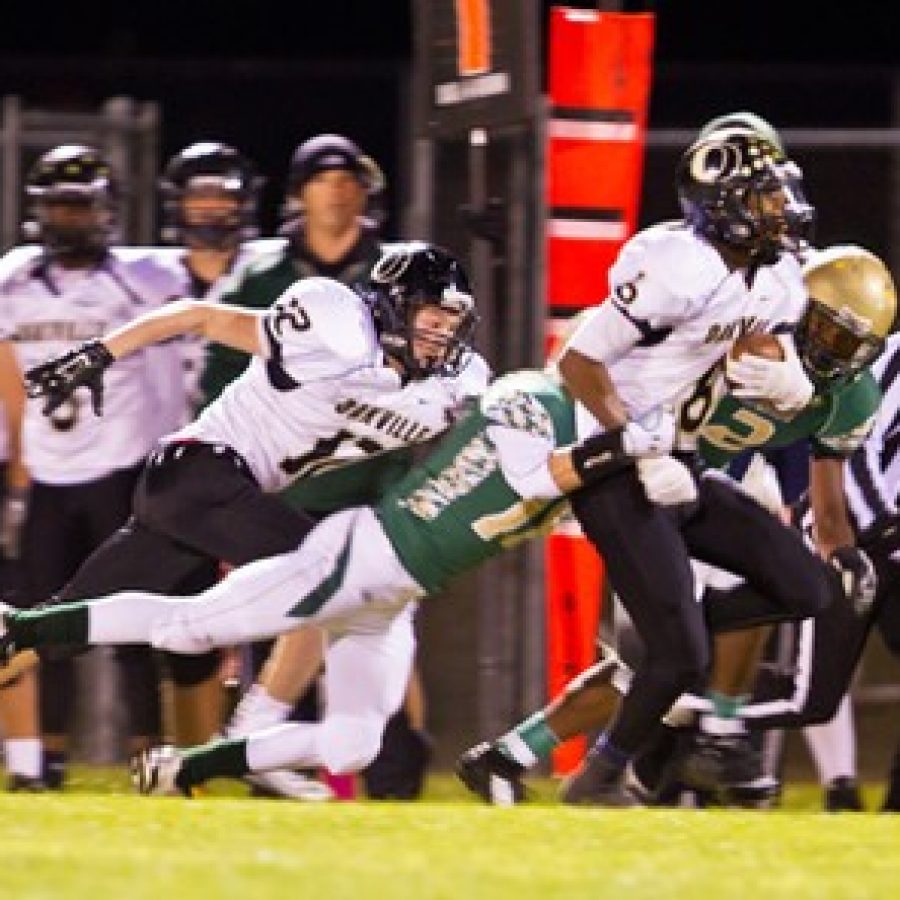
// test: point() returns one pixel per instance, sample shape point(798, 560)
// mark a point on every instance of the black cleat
point(842, 795)
point(713, 762)
point(24, 784)
point(496, 778)
point(598, 783)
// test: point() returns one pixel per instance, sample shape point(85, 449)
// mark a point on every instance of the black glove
point(857, 576)
point(59, 378)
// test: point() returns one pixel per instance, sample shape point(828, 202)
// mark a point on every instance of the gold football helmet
point(851, 309)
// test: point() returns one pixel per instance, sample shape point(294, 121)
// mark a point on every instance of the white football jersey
point(323, 394)
point(46, 310)
point(192, 348)
point(673, 311)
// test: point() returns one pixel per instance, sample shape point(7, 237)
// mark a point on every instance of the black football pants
point(646, 550)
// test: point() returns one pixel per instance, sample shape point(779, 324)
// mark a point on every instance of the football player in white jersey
point(209, 193)
point(680, 293)
point(210, 197)
point(73, 474)
point(335, 380)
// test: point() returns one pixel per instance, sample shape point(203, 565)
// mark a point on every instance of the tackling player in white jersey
point(335, 379)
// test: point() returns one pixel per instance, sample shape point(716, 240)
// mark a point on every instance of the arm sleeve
point(524, 459)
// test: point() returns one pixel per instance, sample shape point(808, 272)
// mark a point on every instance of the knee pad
point(348, 744)
point(191, 669)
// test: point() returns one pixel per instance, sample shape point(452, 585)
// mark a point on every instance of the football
point(757, 344)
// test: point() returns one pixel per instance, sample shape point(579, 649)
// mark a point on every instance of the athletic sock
point(225, 758)
point(54, 769)
point(530, 741)
point(64, 625)
point(23, 756)
point(257, 709)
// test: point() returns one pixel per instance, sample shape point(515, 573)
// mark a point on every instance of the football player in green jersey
point(498, 477)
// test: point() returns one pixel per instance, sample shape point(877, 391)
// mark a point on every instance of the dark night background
point(266, 76)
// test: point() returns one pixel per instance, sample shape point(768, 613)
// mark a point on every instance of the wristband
point(600, 455)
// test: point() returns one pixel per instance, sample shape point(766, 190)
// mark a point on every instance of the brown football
point(757, 344)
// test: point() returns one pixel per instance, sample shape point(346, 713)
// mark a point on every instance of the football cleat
point(289, 785)
point(25, 784)
point(762, 792)
point(496, 778)
point(713, 762)
point(842, 795)
point(155, 771)
point(598, 783)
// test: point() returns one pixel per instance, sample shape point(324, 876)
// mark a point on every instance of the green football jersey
point(836, 422)
point(456, 508)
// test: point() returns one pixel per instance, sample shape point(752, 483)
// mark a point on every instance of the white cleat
point(154, 771)
point(290, 785)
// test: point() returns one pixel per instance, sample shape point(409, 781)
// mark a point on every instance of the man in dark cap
point(330, 183)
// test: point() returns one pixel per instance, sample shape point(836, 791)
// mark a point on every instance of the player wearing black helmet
point(72, 196)
point(71, 479)
point(320, 394)
point(210, 193)
point(680, 294)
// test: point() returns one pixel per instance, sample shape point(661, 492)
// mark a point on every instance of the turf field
point(97, 841)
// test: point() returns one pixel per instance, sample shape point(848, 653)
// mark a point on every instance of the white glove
point(761, 483)
point(783, 383)
point(15, 509)
point(666, 481)
point(653, 434)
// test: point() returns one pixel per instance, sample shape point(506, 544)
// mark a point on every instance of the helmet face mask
point(407, 282)
point(851, 308)
point(737, 189)
point(226, 180)
point(72, 196)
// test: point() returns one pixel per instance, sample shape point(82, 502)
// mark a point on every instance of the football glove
point(783, 383)
point(666, 481)
point(59, 378)
point(857, 576)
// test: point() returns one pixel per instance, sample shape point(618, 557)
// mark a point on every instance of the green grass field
point(99, 841)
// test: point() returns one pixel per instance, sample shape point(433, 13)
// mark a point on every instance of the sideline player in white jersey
point(680, 293)
point(71, 475)
point(209, 194)
point(210, 198)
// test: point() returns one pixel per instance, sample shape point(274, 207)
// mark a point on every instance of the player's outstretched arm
point(57, 379)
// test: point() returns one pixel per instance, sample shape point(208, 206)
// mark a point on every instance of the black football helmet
point(722, 181)
point(411, 275)
point(210, 166)
point(71, 175)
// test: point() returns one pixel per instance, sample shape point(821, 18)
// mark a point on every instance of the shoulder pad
point(673, 260)
point(337, 318)
point(16, 263)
